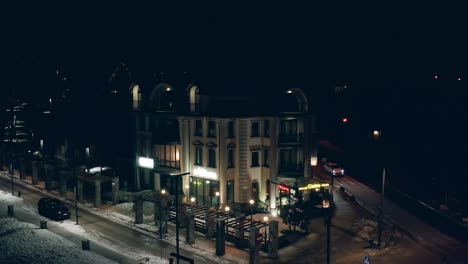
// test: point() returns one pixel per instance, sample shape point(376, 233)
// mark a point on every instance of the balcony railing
point(167, 163)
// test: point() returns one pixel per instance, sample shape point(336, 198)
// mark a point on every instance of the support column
point(163, 217)
point(115, 190)
point(48, 176)
point(273, 191)
point(274, 243)
point(97, 193)
point(22, 168)
point(63, 185)
point(210, 225)
point(138, 209)
point(35, 172)
point(254, 247)
point(157, 182)
point(240, 232)
point(190, 230)
point(220, 237)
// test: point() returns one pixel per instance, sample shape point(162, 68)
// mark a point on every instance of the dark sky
point(258, 41)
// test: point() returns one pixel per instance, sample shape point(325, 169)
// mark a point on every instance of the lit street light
point(327, 212)
point(251, 213)
point(217, 200)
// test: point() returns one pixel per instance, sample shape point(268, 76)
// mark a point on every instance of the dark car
point(53, 209)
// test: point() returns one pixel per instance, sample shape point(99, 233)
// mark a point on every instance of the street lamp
point(163, 191)
point(227, 209)
point(251, 213)
point(217, 200)
point(192, 199)
point(177, 210)
point(377, 135)
point(327, 212)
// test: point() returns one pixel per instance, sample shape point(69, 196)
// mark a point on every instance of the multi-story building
point(232, 146)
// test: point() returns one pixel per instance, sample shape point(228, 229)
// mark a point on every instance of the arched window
point(162, 97)
point(136, 96)
point(296, 101)
point(194, 98)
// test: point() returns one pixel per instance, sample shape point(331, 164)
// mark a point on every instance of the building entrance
point(204, 192)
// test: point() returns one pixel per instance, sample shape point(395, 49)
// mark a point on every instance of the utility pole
point(381, 208)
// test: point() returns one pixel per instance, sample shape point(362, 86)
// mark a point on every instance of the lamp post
point(251, 213)
point(327, 212)
point(377, 135)
point(217, 200)
point(177, 210)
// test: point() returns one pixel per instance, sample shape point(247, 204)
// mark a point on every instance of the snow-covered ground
point(26, 243)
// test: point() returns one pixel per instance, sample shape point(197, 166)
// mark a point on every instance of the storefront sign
point(313, 186)
point(146, 162)
point(204, 173)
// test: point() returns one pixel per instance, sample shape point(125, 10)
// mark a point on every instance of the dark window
point(231, 160)
point(198, 155)
point(266, 157)
point(230, 191)
point(198, 128)
point(212, 129)
point(212, 157)
point(255, 160)
point(231, 129)
point(266, 128)
point(288, 158)
point(254, 132)
point(289, 127)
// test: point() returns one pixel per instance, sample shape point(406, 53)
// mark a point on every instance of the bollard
point(371, 243)
point(19, 193)
point(11, 210)
point(171, 260)
point(43, 224)
point(85, 244)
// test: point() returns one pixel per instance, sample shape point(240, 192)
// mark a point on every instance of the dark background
point(387, 55)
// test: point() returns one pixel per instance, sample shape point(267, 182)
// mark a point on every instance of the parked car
point(333, 169)
point(53, 209)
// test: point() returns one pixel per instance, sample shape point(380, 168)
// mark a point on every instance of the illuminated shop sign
point(311, 186)
point(204, 173)
point(146, 162)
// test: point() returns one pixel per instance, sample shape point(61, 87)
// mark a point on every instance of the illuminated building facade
point(231, 145)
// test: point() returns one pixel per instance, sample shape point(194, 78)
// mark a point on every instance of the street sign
point(366, 260)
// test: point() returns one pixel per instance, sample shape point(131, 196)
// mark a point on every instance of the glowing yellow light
point(265, 218)
point(313, 186)
point(217, 193)
point(192, 199)
point(227, 209)
point(163, 191)
point(251, 201)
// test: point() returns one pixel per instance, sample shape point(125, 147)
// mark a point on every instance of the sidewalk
point(421, 232)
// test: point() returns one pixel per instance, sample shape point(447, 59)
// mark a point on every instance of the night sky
point(388, 54)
